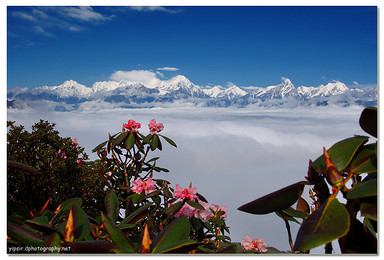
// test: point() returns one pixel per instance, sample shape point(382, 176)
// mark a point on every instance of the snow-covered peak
point(214, 92)
point(235, 91)
point(69, 88)
point(105, 86)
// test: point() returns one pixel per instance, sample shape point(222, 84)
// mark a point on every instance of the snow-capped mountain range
point(70, 95)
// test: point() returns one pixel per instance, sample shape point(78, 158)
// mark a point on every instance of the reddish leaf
point(278, 200)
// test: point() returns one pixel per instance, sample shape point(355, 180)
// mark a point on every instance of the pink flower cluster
point(254, 244)
point(189, 194)
point(132, 126)
point(210, 210)
point(148, 186)
point(61, 154)
point(205, 214)
point(155, 128)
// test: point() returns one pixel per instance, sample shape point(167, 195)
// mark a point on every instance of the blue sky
point(249, 46)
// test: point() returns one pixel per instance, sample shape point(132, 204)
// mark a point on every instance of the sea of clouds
point(231, 155)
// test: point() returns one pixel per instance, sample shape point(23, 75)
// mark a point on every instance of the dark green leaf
point(119, 139)
point(368, 226)
point(368, 121)
point(295, 213)
point(130, 141)
point(365, 161)
point(111, 205)
point(118, 237)
point(153, 159)
point(283, 215)
point(329, 222)
point(24, 236)
point(175, 207)
point(363, 189)
point(194, 204)
point(53, 242)
point(275, 201)
point(171, 236)
point(82, 227)
point(341, 153)
point(154, 142)
point(137, 215)
point(22, 166)
point(369, 210)
point(99, 146)
point(136, 198)
point(169, 141)
point(17, 209)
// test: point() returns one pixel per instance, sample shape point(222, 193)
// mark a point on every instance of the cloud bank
point(232, 156)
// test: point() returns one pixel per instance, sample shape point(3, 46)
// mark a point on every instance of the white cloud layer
point(143, 76)
point(232, 156)
point(168, 69)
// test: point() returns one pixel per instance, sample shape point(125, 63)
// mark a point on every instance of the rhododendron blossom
point(205, 214)
point(155, 128)
point(132, 126)
point(254, 244)
point(216, 209)
point(148, 186)
point(186, 210)
point(189, 194)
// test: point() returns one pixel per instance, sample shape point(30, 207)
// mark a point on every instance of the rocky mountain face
point(70, 95)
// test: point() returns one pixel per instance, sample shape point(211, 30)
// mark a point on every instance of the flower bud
point(332, 175)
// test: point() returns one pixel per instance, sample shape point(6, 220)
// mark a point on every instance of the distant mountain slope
point(70, 95)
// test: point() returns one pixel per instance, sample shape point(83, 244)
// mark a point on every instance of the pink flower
point(254, 244)
point(217, 209)
point(132, 126)
point(155, 128)
point(189, 194)
point(203, 214)
point(148, 186)
point(186, 210)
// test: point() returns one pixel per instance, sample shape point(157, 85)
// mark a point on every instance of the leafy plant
point(139, 214)
point(349, 169)
point(65, 172)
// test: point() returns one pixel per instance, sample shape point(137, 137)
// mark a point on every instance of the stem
point(328, 248)
point(289, 232)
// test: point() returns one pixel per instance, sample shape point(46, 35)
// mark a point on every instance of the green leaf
point(172, 236)
point(41, 224)
point(82, 227)
point(65, 207)
point(24, 236)
point(368, 121)
point(136, 198)
point(117, 236)
point(368, 226)
point(53, 242)
point(136, 216)
point(341, 153)
point(154, 142)
point(99, 146)
point(22, 166)
point(363, 189)
point(194, 204)
point(329, 222)
point(295, 213)
point(169, 141)
point(174, 208)
point(282, 214)
point(365, 161)
point(369, 210)
point(17, 209)
point(111, 205)
point(153, 159)
point(120, 139)
point(130, 141)
point(278, 200)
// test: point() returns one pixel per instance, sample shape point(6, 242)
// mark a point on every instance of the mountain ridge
point(181, 89)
